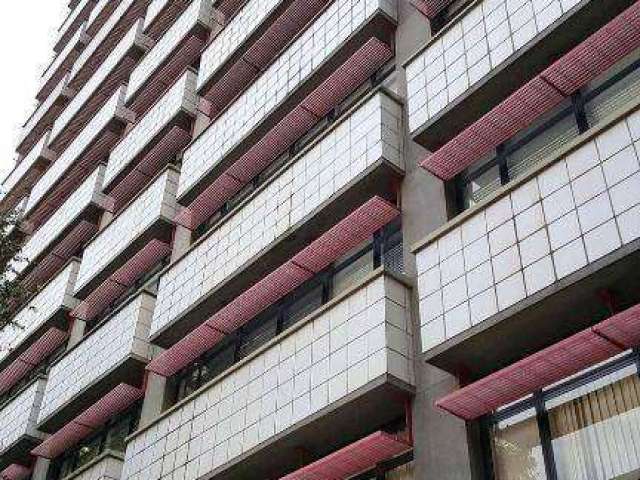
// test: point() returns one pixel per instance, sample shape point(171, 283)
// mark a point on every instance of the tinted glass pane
point(517, 450)
point(303, 306)
point(350, 274)
point(542, 146)
point(257, 335)
point(481, 187)
point(595, 428)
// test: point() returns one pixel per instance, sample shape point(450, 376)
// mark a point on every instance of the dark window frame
point(575, 108)
point(538, 401)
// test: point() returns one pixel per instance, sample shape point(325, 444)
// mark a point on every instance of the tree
point(12, 291)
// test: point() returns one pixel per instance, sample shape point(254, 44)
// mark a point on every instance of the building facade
point(329, 239)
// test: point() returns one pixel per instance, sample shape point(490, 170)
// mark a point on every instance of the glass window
point(540, 143)
point(595, 428)
point(481, 186)
point(517, 449)
point(351, 273)
point(303, 306)
point(612, 90)
point(257, 334)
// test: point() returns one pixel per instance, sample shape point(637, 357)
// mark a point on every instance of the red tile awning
point(430, 8)
point(31, 358)
point(121, 280)
point(359, 457)
point(170, 12)
point(113, 403)
point(585, 62)
point(345, 235)
point(224, 87)
point(15, 472)
point(60, 254)
point(551, 365)
point(344, 80)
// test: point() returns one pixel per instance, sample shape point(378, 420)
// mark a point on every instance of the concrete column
point(77, 332)
point(181, 242)
point(154, 399)
point(40, 469)
point(105, 219)
point(202, 120)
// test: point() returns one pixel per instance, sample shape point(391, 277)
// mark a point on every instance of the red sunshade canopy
point(358, 457)
point(546, 367)
point(347, 234)
point(116, 401)
point(344, 80)
point(584, 63)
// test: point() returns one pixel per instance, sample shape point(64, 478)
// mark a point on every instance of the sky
point(27, 32)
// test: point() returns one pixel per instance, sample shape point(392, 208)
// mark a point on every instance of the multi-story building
point(329, 239)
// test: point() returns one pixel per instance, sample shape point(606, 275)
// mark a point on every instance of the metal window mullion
point(544, 430)
point(503, 167)
point(580, 115)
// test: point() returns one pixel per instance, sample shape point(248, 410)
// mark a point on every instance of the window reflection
point(517, 449)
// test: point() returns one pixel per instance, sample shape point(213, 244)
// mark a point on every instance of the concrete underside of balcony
point(380, 179)
point(550, 315)
point(525, 64)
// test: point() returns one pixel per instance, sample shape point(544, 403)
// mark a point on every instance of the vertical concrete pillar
point(105, 219)
point(181, 242)
point(76, 334)
point(154, 399)
point(441, 448)
point(40, 469)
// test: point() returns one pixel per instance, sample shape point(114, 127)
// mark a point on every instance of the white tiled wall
point(112, 109)
point(370, 133)
point(292, 67)
point(578, 210)
point(364, 336)
point(62, 56)
point(56, 294)
point(19, 416)
point(71, 18)
point(81, 198)
point(199, 12)
point(250, 16)
point(42, 109)
point(124, 334)
point(134, 37)
point(181, 96)
point(154, 8)
point(157, 201)
point(101, 35)
point(23, 167)
point(479, 42)
point(109, 468)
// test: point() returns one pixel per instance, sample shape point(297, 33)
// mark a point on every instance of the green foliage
point(12, 292)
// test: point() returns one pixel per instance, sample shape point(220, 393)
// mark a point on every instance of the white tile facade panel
point(134, 37)
point(62, 56)
point(293, 67)
point(157, 201)
point(199, 12)
point(43, 108)
point(100, 36)
point(73, 15)
point(476, 44)
point(81, 198)
point(18, 417)
point(360, 338)
point(370, 133)
point(110, 110)
point(181, 96)
point(245, 22)
point(154, 8)
point(573, 213)
point(124, 334)
point(108, 468)
point(23, 167)
point(57, 293)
